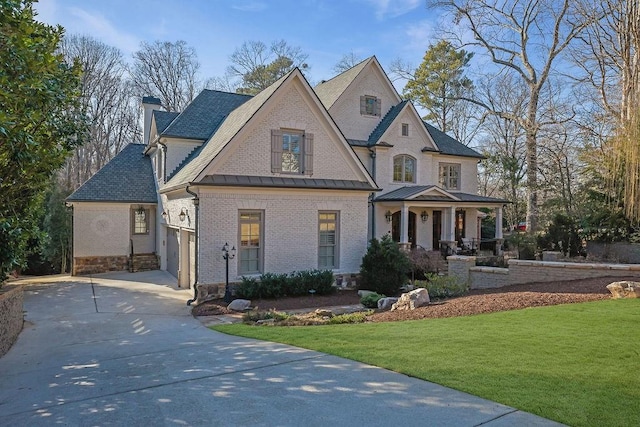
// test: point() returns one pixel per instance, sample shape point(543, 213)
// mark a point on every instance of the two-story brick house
point(294, 178)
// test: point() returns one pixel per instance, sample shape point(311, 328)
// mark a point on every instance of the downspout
point(372, 154)
point(164, 162)
point(196, 204)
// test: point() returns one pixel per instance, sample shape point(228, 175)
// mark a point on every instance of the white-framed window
point(140, 219)
point(291, 151)
point(404, 168)
point(251, 242)
point(328, 239)
point(449, 176)
point(370, 105)
point(405, 129)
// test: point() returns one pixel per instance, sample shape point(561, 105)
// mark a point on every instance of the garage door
point(173, 249)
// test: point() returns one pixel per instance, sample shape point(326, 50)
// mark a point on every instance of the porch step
point(143, 262)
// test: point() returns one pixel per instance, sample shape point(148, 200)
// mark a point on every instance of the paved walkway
point(123, 349)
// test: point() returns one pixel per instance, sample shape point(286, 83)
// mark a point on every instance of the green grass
point(578, 364)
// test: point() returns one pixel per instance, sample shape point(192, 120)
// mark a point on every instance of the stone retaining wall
point(99, 264)
point(11, 316)
point(522, 271)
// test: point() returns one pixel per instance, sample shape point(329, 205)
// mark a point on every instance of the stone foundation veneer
point(11, 316)
point(522, 271)
point(99, 264)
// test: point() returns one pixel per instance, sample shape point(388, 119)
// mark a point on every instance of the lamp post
point(227, 255)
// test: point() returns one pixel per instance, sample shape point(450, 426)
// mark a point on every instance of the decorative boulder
point(412, 300)
point(386, 303)
point(239, 305)
point(624, 289)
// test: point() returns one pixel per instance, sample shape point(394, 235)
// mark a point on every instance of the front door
point(437, 229)
point(395, 227)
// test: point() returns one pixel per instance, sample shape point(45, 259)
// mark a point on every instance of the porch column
point(404, 227)
point(499, 236)
point(452, 224)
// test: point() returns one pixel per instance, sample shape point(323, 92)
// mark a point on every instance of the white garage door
point(173, 249)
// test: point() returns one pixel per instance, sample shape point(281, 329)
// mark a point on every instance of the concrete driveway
point(123, 349)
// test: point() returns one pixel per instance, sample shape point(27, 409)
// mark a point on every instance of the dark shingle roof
point(285, 182)
point(128, 177)
point(204, 114)
point(386, 122)
point(448, 145)
point(163, 119)
point(412, 192)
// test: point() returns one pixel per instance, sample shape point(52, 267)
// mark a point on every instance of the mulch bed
point(477, 301)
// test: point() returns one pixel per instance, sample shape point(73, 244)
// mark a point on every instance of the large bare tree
point(526, 37)
point(168, 71)
point(609, 57)
point(106, 102)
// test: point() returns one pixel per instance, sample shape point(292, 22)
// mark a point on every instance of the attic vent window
point(370, 106)
point(405, 129)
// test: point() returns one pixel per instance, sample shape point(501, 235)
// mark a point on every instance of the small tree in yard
point(384, 267)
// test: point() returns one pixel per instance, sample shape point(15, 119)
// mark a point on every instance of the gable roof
point(386, 122)
point(236, 121)
point(329, 91)
point(433, 193)
point(204, 114)
point(163, 119)
point(128, 178)
point(229, 127)
point(449, 145)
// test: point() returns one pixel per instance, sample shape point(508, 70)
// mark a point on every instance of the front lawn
point(576, 363)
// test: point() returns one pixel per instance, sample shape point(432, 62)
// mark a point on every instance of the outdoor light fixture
point(164, 215)
point(388, 215)
point(424, 216)
point(140, 211)
point(227, 255)
point(183, 214)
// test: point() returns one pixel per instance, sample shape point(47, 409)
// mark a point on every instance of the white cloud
point(420, 35)
point(102, 29)
point(393, 8)
point(250, 6)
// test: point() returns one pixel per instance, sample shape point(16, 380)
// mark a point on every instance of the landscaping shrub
point(371, 300)
point(272, 285)
point(384, 267)
point(255, 315)
point(442, 286)
point(358, 317)
point(301, 282)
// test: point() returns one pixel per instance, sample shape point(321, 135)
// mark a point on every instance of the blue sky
point(324, 29)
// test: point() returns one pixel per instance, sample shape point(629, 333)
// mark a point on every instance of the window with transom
point(328, 240)
point(251, 245)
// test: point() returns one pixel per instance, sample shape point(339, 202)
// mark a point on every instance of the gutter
point(196, 204)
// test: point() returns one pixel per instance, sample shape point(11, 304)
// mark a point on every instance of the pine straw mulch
point(475, 302)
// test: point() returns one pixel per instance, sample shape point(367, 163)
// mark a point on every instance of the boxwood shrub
point(297, 283)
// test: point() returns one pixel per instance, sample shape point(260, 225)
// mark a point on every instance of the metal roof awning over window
point(285, 182)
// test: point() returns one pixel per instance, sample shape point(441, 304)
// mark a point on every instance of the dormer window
point(404, 169)
point(370, 106)
point(405, 129)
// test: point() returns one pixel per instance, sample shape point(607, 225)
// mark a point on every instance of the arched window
point(404, 168)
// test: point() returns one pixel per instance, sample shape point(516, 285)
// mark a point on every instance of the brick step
point(144, 262)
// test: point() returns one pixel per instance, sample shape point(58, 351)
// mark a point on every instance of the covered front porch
point(434, 219)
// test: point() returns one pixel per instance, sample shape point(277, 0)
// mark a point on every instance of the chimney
point(149, 103)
